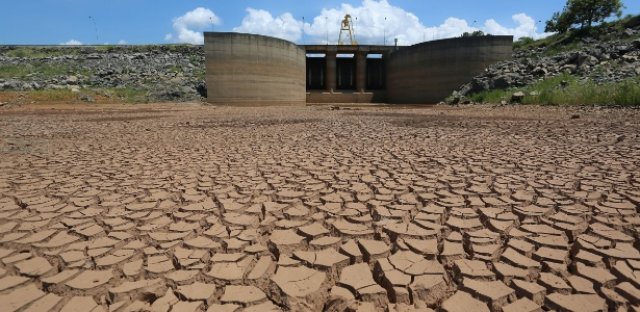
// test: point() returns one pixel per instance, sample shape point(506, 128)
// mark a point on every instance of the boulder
point(502, 82)
point(540, 71)
point(517, 97)
point(87, 98)
point(629, 32)
point(72, 80)
point(569, 68)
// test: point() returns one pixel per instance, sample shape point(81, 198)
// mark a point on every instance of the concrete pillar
point(386, 60)
point(330, 71)
point(361, 71)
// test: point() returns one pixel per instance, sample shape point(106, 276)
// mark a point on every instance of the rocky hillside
point(159, 73)
point(611, 55)
point(607, 54)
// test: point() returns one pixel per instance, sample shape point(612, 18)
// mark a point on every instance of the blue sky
point(173, 21)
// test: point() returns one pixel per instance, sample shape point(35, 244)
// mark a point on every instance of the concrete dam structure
point(246, 69)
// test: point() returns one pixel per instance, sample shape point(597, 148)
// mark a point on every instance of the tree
point(583, 13)
point(477, 33)
point(523, 41)
point(559, 22)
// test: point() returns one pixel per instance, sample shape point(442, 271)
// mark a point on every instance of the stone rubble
point(593, 60)
point(165, 73)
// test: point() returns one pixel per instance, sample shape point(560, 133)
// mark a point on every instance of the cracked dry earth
point(200, 208)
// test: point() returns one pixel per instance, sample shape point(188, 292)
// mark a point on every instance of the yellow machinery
point(346, 27)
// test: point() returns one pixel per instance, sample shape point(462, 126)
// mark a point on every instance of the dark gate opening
point(345, 72)
point(316, 72)
point(376, 74)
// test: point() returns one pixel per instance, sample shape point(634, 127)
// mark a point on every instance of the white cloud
point(188, 27)
point(72, 42)
point(374, 21)
point(262, 22)
point(526, 27)
point(452, 27)
point(122, 42)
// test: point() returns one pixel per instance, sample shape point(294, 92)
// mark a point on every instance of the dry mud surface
point(200, 208)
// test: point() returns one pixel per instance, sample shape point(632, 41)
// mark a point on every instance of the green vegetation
point(127, 95)
point(33, 52)
point(175, 69)
point(200, 72)
point(106, 48)
point(178, 47)
point(566, 90)
point(523, 42)
point(583, 13)
point(48, 51)
point(39, 69)
point(98, 96)
point(52, 95)
point(194, 60)
point(9, 71)
point(573, 39)
point(477, 33)
point(491, 96)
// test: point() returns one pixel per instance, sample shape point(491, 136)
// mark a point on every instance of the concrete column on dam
point(245, 69)
point(361, 71)
point(330, 72)
point(428, 72)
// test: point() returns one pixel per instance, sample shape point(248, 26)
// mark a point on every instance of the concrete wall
point(375, 96)
point(427, 73)
point(244, 69)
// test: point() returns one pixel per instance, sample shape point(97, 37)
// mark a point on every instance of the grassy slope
point(566, 90)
